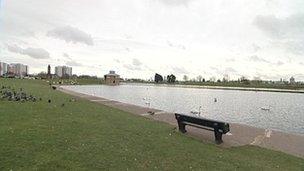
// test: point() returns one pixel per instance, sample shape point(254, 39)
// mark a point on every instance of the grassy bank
point(76, 81)
point(83, 135)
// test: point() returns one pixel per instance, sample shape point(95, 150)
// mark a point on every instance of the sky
point(137, 38)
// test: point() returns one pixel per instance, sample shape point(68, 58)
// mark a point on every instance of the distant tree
point(204, 80)
point(158, 78)
point(212, 79)
point(185, 78)
point(257, 79)
point(171, 78)
point(42, 75)
point(244, 80)
point(226, 78)
point(199, 78)
point(193, 80)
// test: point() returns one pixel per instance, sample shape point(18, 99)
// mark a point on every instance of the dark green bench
point(218, 127)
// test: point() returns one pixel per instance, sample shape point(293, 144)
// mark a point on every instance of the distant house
point(112, 78)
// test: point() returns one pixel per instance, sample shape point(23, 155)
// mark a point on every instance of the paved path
point(239, 135)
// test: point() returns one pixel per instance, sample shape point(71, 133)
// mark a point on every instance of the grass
point(77, 81)
point(83, 135)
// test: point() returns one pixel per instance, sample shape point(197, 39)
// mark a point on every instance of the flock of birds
point(11, 94)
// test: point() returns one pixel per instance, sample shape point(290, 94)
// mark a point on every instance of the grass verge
point(86, 136)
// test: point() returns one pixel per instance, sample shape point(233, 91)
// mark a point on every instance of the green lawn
point(83, 135)
point(78, 81)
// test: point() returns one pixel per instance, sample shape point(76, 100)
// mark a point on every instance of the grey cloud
point(128, 49)
point(256, 47)
point(70, 61)
point(71, 34)
point(179, 46)
point(73, 63)
point(230, 60)
point(175, 2)
point(135, 65)
point(36, 53)
point(296, 47)
point(279, 63)
point(230, 70)
point(180, 70)
point(136, 62)
point(288, 32)
point(255, 58)
point(227, 70)
point(117, 61)
point(132, 67)
point(264, 76)
point(65, 55)
point(270, 25)
point(289, 27)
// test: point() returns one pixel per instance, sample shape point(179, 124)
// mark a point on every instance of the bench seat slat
point(198, 126)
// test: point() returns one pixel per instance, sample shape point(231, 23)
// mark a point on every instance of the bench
point(218, 127)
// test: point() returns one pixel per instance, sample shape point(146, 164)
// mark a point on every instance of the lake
point(286, 110)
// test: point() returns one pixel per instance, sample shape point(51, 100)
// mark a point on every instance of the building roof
point(112, 73)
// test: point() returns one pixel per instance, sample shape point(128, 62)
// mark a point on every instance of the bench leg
point(182, 127)
point(218, 137)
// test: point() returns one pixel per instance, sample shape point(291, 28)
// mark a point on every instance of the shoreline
point(250, 89)
point(224, 88)
point(239, 135)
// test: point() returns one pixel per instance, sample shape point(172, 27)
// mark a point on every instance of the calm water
point(286, 109)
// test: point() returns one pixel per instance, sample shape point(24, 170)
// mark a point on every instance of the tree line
point(169, 79)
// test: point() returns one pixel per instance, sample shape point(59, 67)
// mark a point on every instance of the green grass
point(78, 81)
point(83, 135)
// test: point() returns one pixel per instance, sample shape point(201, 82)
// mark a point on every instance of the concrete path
point(239, 135)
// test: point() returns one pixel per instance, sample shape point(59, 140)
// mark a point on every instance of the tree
point(42, 75)
point(171, 78)
point(199, 78)
point(158, 78)
point(244, 80)
point(212, 79)
point(185, 78)
point(226, 78)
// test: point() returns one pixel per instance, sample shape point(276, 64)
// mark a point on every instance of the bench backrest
point(222, 126)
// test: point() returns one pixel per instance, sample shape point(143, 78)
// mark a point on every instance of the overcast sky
point(137, 38)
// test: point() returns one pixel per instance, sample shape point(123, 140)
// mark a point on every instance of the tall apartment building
point(18, 70)
point(63, 71)
point(3, 68)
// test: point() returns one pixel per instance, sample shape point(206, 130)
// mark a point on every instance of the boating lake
point(286, 110)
